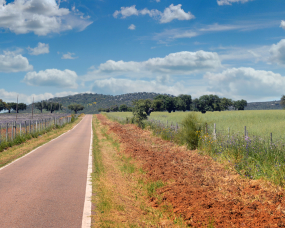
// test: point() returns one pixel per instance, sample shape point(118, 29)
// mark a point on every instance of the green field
point(258, 122)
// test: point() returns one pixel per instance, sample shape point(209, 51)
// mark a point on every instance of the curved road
point(47, 187)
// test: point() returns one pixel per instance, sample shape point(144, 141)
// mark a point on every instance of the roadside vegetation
point(251, 153)
point(21, 145)
point(121, 190)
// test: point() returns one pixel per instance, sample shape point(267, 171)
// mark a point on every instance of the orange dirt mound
point(200, 189)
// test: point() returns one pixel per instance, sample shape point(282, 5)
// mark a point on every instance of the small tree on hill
point(76, 107)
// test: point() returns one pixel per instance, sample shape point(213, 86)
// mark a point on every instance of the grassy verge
point(121, 191)
point(30, 142)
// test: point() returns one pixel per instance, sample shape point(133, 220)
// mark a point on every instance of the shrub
point(191, 131)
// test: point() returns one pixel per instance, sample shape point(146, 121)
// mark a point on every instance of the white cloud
point(126, 11)
point(171, 34)
point(28, 99)
point(132, 27)
point(38, 16)
point(282, 24)
point(119, 86)
point(69, 55)
point(12, 62)
point(42, 48)
point(246, 83)
point(170, 13)
point(254, 54)
point(175, 12)
point(52, 77)
point(180, 63)
point(229, 2)
point(277, 52)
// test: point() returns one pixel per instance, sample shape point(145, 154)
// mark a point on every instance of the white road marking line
point(39, 147)
point(86, 219)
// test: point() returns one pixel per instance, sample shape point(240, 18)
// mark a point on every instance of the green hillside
point(92, 102)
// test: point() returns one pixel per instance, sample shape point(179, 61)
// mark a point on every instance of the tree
point(123, 108)
point(209, 103)
point(226, 103)
point(41, 105)
point(282, 101)
point(139, 111)
point(187, 99)
point(11, 105)
point(195, 104)
point(21, 106)
point(76, 107)
point(169, 104)
point(52, 106)
point(240, 104)
point(180, 104)
point(3, 105)
point(158, 105)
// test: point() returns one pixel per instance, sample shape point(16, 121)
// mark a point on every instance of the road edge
point(39, 147)
point(86, 218)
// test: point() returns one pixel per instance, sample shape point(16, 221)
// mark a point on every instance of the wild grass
point(258, 122)
point(253, 156)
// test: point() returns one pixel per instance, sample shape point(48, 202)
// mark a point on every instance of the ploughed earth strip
point(199, 189)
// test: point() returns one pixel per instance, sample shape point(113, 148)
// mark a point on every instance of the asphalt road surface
point(47, 187)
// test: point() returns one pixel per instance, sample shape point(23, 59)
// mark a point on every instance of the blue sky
point(232, 48)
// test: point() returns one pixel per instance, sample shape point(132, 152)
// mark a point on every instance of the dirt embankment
point(200, 190)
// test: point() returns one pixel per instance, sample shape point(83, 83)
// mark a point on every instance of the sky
point(55, 48)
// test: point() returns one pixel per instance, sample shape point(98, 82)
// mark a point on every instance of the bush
point(191, 131)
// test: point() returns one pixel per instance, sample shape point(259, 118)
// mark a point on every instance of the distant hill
point(267, 105)
point(93, 101)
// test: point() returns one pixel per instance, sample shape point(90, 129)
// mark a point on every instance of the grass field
point(258, 122)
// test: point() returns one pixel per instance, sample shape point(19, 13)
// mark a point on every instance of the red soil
point(200, 189)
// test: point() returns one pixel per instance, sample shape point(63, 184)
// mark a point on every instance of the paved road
point(47, 187)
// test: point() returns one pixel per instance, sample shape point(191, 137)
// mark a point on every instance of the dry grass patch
point(122, 194)
point(18, 151)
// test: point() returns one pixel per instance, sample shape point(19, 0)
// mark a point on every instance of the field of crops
point(257, 122)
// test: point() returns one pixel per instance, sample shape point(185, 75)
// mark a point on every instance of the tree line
point(9, 106)
point(182, 102)
point(41, 105)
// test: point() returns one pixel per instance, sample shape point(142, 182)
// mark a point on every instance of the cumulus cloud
point(170, 13)
point(229, 2)
point(246, 83)
point(42, 48)
point(52, 77)
point(132, 27)
point(28, 99)
point(13, 62)
point(277, 52)
point(69, 55)
point(180, 63)
point(119, 86)
point(39, 16)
